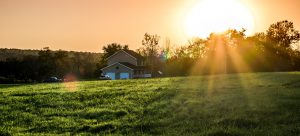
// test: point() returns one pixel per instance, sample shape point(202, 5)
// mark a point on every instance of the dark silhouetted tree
point(112, 48)
point(283, 34)
point(46, 63)
point(150, 50)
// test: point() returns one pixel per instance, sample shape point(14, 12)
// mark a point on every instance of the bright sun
point(217, 16)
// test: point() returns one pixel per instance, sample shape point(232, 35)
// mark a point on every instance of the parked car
point(52, 79)
point(105, 77)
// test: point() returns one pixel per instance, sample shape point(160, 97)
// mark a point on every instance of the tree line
point(233, 51)
point(26, 66)
point(228, 52)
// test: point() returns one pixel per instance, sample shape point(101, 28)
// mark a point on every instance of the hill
point(16, 53)
point(19, 54)
point(236, 104)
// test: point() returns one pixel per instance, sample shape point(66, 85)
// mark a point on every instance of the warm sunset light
point(216, 16)
point(150, 67)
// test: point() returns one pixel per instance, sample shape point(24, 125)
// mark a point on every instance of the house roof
point(128, 65)
point(130, 53)
point(132, 66)
point(134, 54)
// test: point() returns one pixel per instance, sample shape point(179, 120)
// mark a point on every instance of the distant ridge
point(19, 54)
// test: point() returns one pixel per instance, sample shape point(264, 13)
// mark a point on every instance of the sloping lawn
point(234, 104)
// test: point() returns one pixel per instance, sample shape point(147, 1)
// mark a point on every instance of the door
point(111, 75)
point(124, 75)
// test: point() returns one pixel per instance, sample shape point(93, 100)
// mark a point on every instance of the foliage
point(150, 50)
point(32, 67)
point(283, 34)
point(150, 45)
point(16, 53)
point(111, 49)
point(234, 52)
point(232, 104)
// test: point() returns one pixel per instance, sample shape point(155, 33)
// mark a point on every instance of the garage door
point(124, 75)
point(111, 75)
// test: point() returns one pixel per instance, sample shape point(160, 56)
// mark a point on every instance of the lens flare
point(164, 55)
point(70, 82)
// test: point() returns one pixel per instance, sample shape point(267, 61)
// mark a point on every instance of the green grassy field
point(237, 104)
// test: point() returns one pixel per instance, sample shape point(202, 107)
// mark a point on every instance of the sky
point(87, 25)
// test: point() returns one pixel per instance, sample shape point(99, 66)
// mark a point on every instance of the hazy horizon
point(76, 25)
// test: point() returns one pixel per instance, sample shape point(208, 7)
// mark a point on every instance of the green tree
point(223, 51)
point(62, 65)
point(150, 45)
point(150, 51)
point(46, 63)
point(112, 48)
point(277, 45)
point(283, 34)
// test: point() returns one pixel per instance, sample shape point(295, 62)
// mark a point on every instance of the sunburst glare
point(217, 16)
